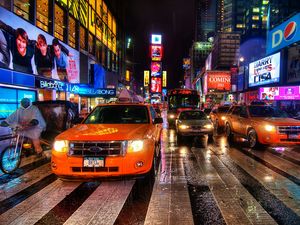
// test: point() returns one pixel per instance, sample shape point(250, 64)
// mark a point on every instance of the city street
point(219, 184)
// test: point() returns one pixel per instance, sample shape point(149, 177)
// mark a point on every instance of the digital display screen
point(265, 70)
point(280, 93)
point(156, 52)
point(32, 51)
point(155, 85)
point(155, 69)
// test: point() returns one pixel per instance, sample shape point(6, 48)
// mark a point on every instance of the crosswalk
point(215, 185)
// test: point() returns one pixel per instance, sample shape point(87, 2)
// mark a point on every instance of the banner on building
point(280, 93)
point(218, 80)
point(293, 67)
point(265, 70)
point(146, 78)
point(156, 52)
point(164, 79)
point(30, 50)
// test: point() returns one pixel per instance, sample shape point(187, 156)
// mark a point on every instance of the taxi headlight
point(183, 126)
point(270, 128)
point(223, 118)
point(61, 146)
point(208, 126)
point(135, 146)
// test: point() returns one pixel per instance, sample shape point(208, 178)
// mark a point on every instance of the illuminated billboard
point(164, 79)
point(265, 70)
point(156, 39)
point(155, 69)
point(146, 78)
point(280, 93)
point(155, 85)
point(218, 80)
point(31, 50)
point(156, 52)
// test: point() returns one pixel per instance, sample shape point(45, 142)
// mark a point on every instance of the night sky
point(174, 19)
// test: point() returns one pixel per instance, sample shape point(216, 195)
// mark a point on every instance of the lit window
point(42, 14)
point(254, 26)
point(59, 23)
point(265, 2)
point(255, 17)
point(255, 10)
point(239, 25)
point(82, 38)
point(265, 18)
point(72, 32)
point(22, 8)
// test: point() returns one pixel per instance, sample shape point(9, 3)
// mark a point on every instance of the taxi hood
point(277, 121)
point(105, 132)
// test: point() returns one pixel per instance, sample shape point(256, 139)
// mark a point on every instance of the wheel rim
point(252, 139)
point(10, 160)
point(228, 132)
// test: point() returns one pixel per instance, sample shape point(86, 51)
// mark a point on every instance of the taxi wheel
point(252, 138)
point(228, 132)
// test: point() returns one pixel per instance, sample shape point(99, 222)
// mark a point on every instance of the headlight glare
point(171, 116)
point(223, 118)
point(183, 126)
point(135, 146)
point(61, 146)
point(208, 126)
point(270, 128)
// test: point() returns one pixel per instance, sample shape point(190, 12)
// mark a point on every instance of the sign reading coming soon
point(218, 80)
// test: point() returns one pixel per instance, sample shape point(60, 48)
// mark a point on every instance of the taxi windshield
point(193, 115)
point(266, 111)
point(123, 114)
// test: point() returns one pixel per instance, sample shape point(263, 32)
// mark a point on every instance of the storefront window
point(83, 13)
point(82, 38)
point(92, 20)
point(73, 8)
point(22, 8)
point(59, 23)
point(72, 32)
point(104, 12)
point(42, 14)
point(5, 4)
point(98, 50)
point(91, 44)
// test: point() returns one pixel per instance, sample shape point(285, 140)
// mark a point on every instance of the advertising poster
point(26, 48)
point(265, 70)
point(146, 78)
point(219, 80)
point(156, 52)
point(155, 69)
point(280, 93)
point(156, 39)
point(293, 64)
point(155, 85)
point(164, 79)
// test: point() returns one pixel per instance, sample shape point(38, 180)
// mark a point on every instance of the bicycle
point(10, 158)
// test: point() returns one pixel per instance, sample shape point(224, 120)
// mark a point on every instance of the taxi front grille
point(289, 129)
point(290, 140)
point(95, 169)
point(112, 148)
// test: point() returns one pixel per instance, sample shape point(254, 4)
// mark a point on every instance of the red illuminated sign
point(156, 52)
point(219, 80)
point(155, 85)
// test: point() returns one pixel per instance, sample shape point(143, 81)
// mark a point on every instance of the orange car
point(218, 116)
point(114, 140)
point(262, 124)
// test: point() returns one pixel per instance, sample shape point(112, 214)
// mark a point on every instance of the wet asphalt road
point(222, 183)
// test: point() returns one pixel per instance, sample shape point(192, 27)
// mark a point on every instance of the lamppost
point(241, 62)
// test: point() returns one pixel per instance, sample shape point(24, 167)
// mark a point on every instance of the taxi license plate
point(93, 162)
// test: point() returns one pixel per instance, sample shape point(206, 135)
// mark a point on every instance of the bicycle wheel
point(10, 160)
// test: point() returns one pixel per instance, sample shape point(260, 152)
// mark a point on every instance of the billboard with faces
point(28, 49)
point(155, 85)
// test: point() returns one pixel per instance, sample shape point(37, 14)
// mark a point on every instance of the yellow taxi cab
point(262, 124)
point(218, 116)
point(115, 139)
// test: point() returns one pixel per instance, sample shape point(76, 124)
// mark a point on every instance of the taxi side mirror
point(158, 120)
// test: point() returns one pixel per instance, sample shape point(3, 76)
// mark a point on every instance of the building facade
point(73, 48)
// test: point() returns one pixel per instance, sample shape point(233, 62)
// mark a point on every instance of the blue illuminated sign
point(283, 35)
point(50, 84)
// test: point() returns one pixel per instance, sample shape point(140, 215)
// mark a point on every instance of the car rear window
point(193, 115)
point(223, 109)
point(123, 114)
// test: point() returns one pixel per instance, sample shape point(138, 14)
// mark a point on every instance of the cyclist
point(30, 119)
